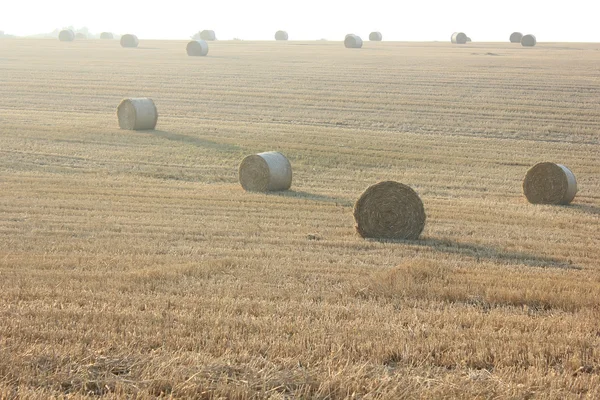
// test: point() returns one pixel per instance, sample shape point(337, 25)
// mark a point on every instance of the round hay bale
point(197, 48)
point(528, 41)
point(107, 36)
point(353, 42)
point(129, 40)
point(389, 210)
point(66, 35)
point(458, 38)
point(468, 40)
point(265, 172)
point(80, 36)
point(549, 183)
point(375, 37)
point(281, 35)
point(208, 35)
point(137, 114)
point(516, 37)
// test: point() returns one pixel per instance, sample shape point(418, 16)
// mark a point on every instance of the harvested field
point(133, 263)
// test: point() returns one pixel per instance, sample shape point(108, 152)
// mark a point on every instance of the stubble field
point(132, 264)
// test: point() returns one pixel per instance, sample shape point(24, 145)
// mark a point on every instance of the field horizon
point(133, 264)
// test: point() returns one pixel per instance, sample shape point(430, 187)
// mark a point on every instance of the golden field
point(132, 264)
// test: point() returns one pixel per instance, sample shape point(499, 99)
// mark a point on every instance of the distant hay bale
point(80, 36)
point(468, 40)
point(458, 38)
point(107, 36)
point(375, 37)
point(66, 35)
point(137, 114)
point(549, 183)
point(516, 37)
point(389, 210)
point(353, 42)
point(281, 35)
point(528, 41)
point(197, 48)
point(265, 172)
point(129, 40)
point(208, 35)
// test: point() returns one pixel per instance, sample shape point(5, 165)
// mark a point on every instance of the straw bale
point(353, 42)
point(137, 114)
point(528, 41)
point(129, 40)
point(458, 38)
point(375, 37)
point(66, 35)
point(281, 35)
point(197, 48)
point(549, 183)
point(265, 172)
point(516, 37)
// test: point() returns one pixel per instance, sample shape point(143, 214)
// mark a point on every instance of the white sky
point(413, 20)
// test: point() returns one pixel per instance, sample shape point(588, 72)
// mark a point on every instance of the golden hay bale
point(528, 41)
point(137, 114)
point(208, 35)
point(516, 37)
point(375, 37)
point(549, 183)
point(458, 38)
point(66, 35)
point(107, 36)
point(353, 42)
point(197, 48)
point(265, 172)
point(129, 40)
point(389, 210)
point(281, 35)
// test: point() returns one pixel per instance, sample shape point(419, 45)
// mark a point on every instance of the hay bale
point(107, 36)
point(353, 42)
point(197, 48)
point(281, 35)
point(208, 35)
point(66, 35)
point(137, 114)
point(129, 40)
point(549, 183)
point(80, 36)
point(516, 37)
point(265, 172)
point(458, 38)
point(528, 41)
point(389, 210)
point(375, 37)
point(468, 40)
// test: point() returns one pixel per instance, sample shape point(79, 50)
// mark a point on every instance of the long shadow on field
point(586, 208)
point(486, 253)
point(208, 144)
point(313, 197)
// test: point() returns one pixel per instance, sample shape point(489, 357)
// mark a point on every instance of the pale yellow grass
point(132, 264)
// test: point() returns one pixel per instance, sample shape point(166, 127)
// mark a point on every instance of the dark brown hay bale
point(197, 48)
point(549, 183)
point(375, 37)
point(528, 41)
point(389, 210)
point(353, 42)
point(137, 114)
point(107, 36)
point(265, 172)
point(129, 40)
point(66, 35)
point(208, 35)
point(281, 35)
point(458, 38)
point(516, 37)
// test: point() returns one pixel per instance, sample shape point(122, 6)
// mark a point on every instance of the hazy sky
point(412, 20)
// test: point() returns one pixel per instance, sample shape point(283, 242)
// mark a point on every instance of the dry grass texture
point(132, 264)
point(137, 114)
point(549, 183)
point(389, 210)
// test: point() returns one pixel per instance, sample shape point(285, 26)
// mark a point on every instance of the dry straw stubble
point(137, 114)
point(265, 172)
point(549, 183)
point(197, 48)
point(389, 210)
